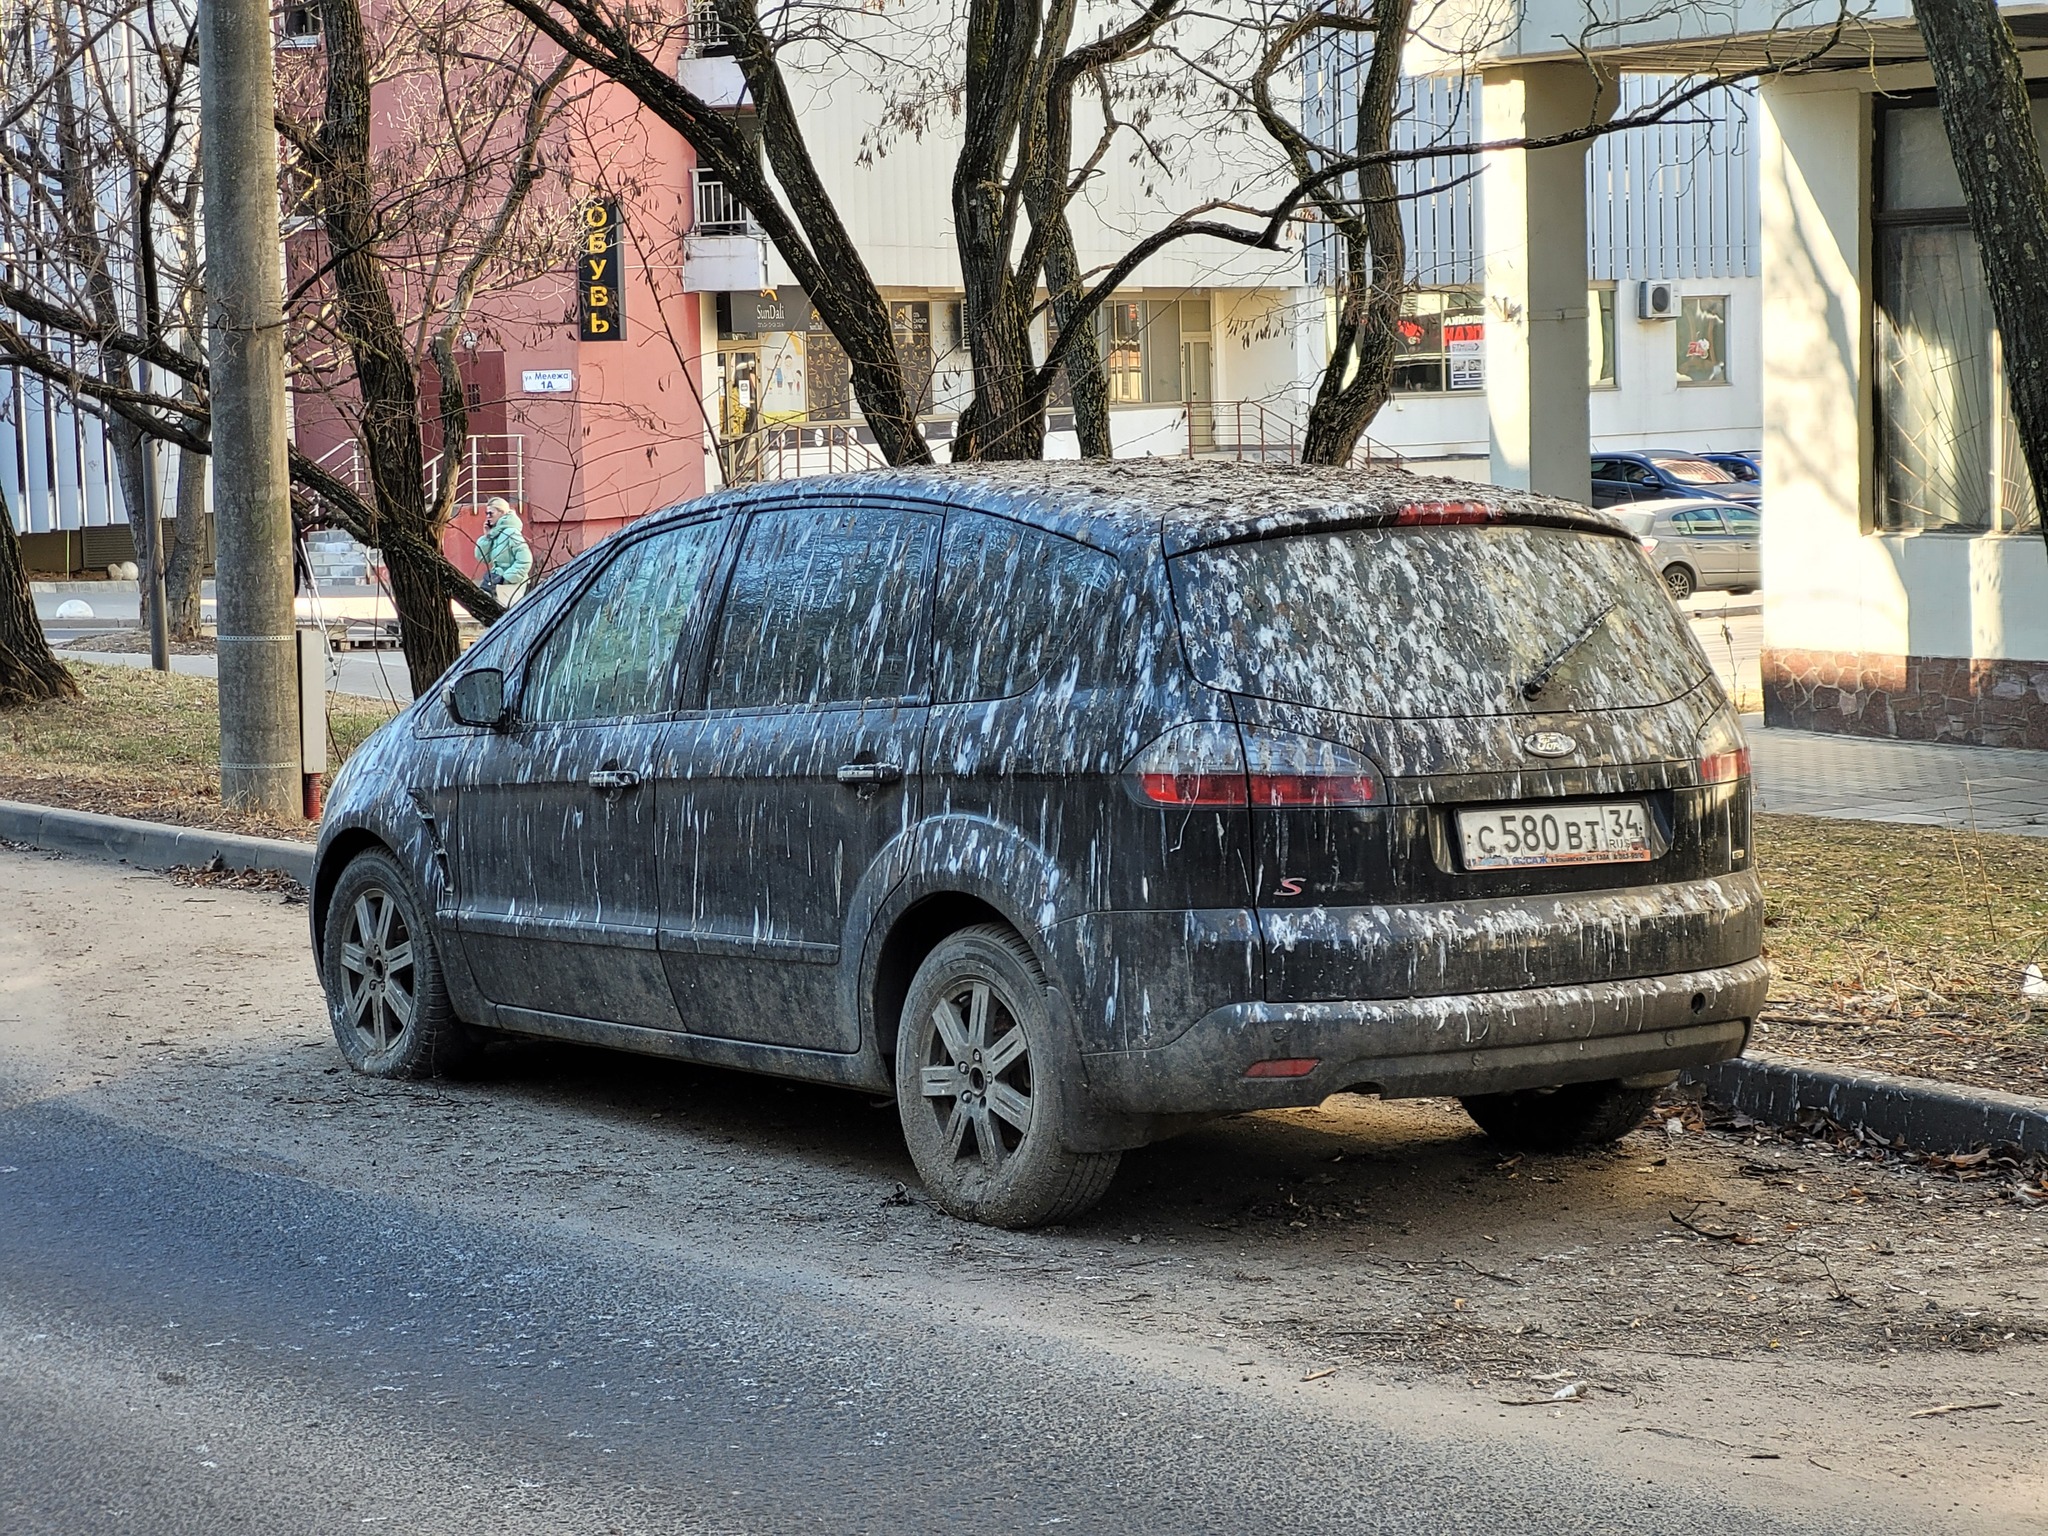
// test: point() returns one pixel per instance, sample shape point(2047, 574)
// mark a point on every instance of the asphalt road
point(193, 1346)
point(243, 1291)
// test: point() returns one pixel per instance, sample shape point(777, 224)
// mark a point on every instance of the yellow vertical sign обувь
point(600, 278)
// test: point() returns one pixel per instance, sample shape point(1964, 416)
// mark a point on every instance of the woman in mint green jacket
point(502, 552)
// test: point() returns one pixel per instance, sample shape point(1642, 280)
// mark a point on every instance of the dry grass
point(141, 743)
point(1905, 948)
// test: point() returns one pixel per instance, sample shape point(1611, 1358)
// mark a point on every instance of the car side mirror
point(478, 698)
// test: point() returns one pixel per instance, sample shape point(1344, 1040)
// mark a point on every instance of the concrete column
point(1534, 211)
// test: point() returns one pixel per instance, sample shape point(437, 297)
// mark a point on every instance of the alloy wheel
point(976, 1076)
point(378, 983)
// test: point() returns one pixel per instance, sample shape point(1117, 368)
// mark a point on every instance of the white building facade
point(1905, 579)
point(1210, 346)
point(1673, 297)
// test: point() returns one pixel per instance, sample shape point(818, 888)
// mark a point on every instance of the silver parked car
point(1699, 546)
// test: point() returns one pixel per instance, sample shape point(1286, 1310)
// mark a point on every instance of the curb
point(1925, 1115)
point(148, 844)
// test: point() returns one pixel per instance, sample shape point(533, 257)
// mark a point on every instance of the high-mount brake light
point(1438, 514)
point(1213, 763)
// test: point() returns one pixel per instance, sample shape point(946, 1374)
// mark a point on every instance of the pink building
point(584, 427)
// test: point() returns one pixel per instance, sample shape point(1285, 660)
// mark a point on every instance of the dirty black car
point(1072, 805)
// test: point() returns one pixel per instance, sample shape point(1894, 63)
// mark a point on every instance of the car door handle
point(611, 781)
point(870, 773)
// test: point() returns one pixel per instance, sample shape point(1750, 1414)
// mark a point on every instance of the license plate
point(1522, 836)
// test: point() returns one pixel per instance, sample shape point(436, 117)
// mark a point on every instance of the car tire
point(1680, 582)
point(981, 1090)
point(1559, 1119)
point(386, 995)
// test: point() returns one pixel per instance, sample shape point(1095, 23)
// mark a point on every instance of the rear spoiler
point(1510, 508)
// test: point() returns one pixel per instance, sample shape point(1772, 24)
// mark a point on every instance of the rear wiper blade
point(1538, 680)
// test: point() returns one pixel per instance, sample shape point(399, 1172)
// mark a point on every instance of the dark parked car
point(1747, 468)
point(1073, 804)
point(1619, 478)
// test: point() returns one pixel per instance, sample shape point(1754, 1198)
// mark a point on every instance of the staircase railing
point(1254, 432)
point(794, 451)
point(1250, 431)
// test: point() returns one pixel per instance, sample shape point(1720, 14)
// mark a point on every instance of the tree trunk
point(386, 380)
point(29, 671)
point(1984, 107)
point(188, 549)
point(1087, 383)
point(1360, 374)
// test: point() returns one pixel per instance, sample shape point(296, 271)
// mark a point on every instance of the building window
point(300, 27)
point(1600, 338)
point(1142, 344)
point(1703, 340)
point(1948, 445)
point(1442, 342)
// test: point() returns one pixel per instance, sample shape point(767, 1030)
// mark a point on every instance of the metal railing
point(1249, 431)
point(795, 451)
point(1253, 432)
point(715, 211)
point(709, 35)
point(494, 464)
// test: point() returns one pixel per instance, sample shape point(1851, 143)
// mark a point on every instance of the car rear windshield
point(1419, 623)
point(1695, 471)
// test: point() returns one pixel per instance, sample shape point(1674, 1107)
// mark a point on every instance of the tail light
point(1215, 763)
point(1724, 755)
point(1289, 769)
point(1648, 543)
point(1438, 514)
point(1191, 765)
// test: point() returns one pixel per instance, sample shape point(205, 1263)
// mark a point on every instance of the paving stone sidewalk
point(1987, 789)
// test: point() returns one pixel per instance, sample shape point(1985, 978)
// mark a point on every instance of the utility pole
point(259, 726)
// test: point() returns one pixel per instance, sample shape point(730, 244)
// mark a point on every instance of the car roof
point(1182, 503)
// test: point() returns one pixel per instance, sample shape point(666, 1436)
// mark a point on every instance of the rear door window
point(1013, 604)
point(1415, 623)
point(617, 652)
point(825, 606)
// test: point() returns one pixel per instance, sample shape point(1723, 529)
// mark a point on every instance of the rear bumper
point(1488, 1042)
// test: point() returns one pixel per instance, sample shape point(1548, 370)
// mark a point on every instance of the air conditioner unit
point(1656, 301)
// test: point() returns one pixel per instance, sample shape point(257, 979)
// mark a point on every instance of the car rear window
point(1419, 623)
point(1695, 471)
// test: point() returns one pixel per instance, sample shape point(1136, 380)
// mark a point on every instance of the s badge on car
point(1549, 744)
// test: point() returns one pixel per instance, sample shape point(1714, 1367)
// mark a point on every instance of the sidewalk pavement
point(363, 674)
point(1982, 789)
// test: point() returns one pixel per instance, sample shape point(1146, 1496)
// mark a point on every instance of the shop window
point(1600, 338)
point(1442, 343)
point(1703, 339)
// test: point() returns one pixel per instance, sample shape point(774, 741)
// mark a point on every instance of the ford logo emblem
point(1550, 744)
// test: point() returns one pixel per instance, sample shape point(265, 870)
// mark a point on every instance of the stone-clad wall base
point(1913, 698)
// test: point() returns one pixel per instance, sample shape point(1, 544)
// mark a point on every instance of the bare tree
point(1986, 112)
point(438, 213)
point(98, 157)
point(418, 154)
point(1350, 178)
